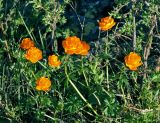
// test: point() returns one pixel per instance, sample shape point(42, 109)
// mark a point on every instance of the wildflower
point(84, 49)
point(133, 60)
point(71, 45)
point(53, 61)
point(33, 54)
point(74, 45)
point(26, 43)
point(106, 23)
point(43, 84)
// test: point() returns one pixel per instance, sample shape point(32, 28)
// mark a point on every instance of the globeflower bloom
point(84, 49)
point(53, 61)
point(43, 84)
point(133, 60)
point(26, 43)
point(73, 45)
point(106, 23)
point(33, 54)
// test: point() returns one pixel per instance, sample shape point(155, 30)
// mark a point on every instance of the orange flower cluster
point(106, 23)
point(53, 61)
point(133, 60)
point(33, 54)
point(43, 84)
point(26, 43)
point(73, 45)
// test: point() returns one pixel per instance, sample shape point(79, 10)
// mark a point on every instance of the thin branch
point(142, 111)
point(81, 23)
point(148, 46)
point(158, 65)
point(134, 33)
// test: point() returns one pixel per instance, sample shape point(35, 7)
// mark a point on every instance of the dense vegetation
point(95, 87)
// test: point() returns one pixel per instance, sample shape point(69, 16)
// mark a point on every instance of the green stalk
point(41, 39)
point(106, 52)
point(25, 25)
point(84, 72)
point(42, 64)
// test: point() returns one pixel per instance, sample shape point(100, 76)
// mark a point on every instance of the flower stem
point(106, 52)
point(84, 72)
point(42, 64)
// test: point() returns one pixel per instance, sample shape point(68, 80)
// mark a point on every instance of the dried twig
point(148, 46)
point(78, 17)
point(158, 65)
point(142, 111)
point(54, 26)
point(134, 33)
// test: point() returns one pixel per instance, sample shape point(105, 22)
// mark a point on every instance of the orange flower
point(106, 23)
point(53, 61)
point(43, 84)
point(26, 43)
point(84, 49)
point(71, 45)
point(33, 54)
point(133, 60)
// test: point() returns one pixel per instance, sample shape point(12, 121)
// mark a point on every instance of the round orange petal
point(71, 45)
point(133, 60)
point(106, 23)
point(53, 61)
point(85, 48)
point(43, 84)
point(33, 54)
point(27, 43)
